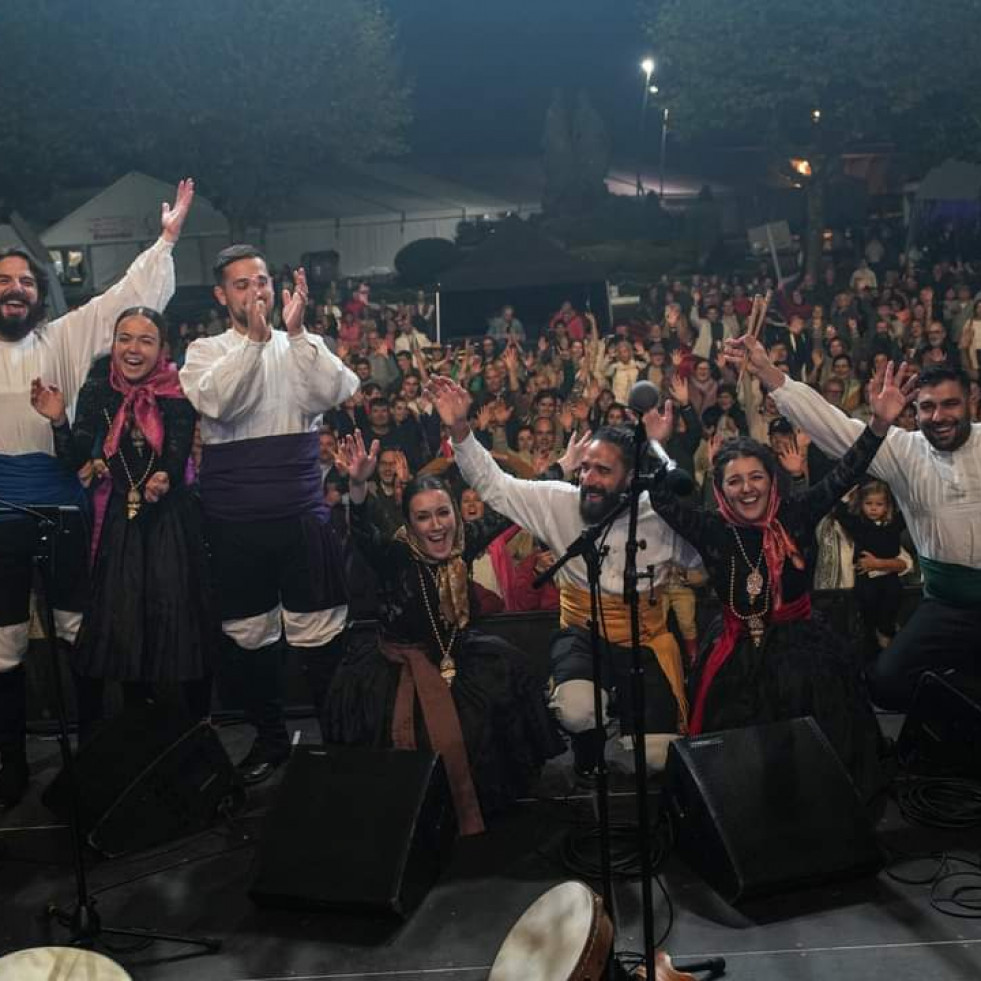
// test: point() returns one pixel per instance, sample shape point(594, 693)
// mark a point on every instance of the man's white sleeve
point(319, 379)
point(223, 385)
point(85, 333)
point(834, 432)
point(532, 504)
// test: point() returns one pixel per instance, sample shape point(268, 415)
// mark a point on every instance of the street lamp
point(664, 146)
point(647, 67)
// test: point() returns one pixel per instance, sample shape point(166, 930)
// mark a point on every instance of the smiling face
point(20, 303)
point(135, 348)
point(243, 282)
point(944, 415)
point(471, 506)
point(602, 479)
point(432, 518)
point(746, 487)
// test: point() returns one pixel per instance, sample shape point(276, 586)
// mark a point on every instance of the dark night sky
point(484, 71)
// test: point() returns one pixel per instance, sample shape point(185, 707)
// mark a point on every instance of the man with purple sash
point(261, 395)
point(60, 352)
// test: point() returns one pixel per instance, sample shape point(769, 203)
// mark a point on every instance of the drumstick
point(757, 315)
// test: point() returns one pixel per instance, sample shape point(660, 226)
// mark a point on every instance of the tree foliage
point(758, 68)
point(248, 98)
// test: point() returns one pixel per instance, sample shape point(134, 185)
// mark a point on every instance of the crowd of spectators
point(535, 387)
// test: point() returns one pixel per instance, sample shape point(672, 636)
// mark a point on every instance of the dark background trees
point(249, 98)
point(813, 80)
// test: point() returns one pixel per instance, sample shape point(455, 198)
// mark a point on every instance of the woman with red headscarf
point(148, 619)
point(771, 658)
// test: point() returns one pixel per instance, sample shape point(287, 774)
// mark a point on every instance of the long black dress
point(801, 667)
point(506, 726)
point(149, 617)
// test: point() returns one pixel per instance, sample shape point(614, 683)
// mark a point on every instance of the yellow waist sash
point(615, 627)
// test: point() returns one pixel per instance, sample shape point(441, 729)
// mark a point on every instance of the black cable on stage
point(963, 900)
point(951, 803)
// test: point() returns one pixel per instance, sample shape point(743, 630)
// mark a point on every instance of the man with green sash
point(935, 476)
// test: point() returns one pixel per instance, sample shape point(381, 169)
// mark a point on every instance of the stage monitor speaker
point(355, 829)
point(148, 776)
point(942, 732)
point(767, 809)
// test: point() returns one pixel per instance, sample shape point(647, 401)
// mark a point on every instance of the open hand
point(49, 401)
point(571, 460)
point(452, 403)
point(889, 393)
point(295, 302)
point(156, 487)
point(792, 460)
point(659, 423)
point(259, 328)
point(357, 462)
point(679, 389)
point(172, 218)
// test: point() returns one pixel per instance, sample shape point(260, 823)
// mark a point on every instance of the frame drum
point(565, 935)
point(59, 964)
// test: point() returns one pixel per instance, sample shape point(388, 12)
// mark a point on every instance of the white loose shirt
point(60, 352)
point(938, 492)
point(245, 389)
point(549, 509)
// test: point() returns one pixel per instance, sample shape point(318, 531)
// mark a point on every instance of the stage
point(876, 928)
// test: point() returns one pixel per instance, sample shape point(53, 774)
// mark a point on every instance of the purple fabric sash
point(261, 479)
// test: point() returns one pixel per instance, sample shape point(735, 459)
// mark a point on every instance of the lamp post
point(647, 67)
point(664, 146)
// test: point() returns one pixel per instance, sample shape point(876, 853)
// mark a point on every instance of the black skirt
point(507, 728)
point(801, 668)
point(150, 618)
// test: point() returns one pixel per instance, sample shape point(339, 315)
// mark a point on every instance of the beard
point(593, 512)
point(953, 440)
point(18, 327)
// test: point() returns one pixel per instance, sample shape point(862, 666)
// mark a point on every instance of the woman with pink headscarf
point(148, 620)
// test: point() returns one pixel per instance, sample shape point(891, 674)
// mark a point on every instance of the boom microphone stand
point(82, 921)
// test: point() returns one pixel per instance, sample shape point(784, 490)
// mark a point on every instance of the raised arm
point(529, 503)
point(829, 427)
point(86, 332)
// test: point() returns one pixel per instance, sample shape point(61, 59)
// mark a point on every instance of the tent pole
point(439, 336)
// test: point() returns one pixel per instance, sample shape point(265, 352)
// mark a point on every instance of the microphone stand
point(83, 922)
point(586, 547)
point(631, 596)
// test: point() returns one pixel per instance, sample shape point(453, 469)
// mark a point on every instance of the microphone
point(644, 396)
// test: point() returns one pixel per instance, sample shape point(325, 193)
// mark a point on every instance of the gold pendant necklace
point(447, 666)
point(754, 581)
point(755, 619)
point(133, 499)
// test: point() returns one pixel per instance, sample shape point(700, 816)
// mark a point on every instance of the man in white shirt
point(935, 476)
point(59, 352)
point(262, 394)
point(557, 512)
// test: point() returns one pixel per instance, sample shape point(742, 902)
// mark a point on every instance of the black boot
point(263, 677)
point(13, 736)
point(319, 665)
point(586, 749)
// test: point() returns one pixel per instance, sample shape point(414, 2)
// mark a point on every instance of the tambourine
point(59, 964)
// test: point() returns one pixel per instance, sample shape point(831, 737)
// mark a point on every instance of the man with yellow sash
point(557, 512)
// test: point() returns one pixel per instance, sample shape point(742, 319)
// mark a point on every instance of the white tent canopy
point(114, 226)
point(953, 180)
point(366, 216)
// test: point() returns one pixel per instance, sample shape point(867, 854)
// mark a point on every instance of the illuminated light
point(647, 66)
point(815, 115)
point(652, 89)
point(801, 166)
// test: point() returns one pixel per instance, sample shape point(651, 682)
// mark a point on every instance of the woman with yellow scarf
point(430, 679)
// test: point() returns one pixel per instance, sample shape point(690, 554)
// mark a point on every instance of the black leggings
point(937, 636)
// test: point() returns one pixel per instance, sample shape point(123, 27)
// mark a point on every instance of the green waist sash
point(958, 585)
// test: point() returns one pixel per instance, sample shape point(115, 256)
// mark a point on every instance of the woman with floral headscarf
point(148, 620)
point(428, 678)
